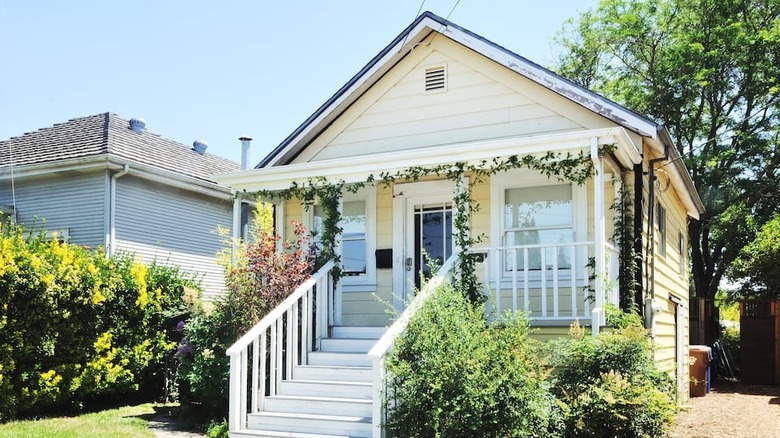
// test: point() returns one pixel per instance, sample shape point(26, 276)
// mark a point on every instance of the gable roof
point(109, 135)
point(418, 31)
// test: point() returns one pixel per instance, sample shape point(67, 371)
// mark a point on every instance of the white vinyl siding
point(73, 201)
point(172, 226)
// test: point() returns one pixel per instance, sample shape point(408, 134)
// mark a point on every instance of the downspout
point(639, 182)
point(650, 259)
point(110, 246)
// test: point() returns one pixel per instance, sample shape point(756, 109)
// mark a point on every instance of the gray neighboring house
point(106, 181)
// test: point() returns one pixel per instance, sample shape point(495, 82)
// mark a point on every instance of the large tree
point(709, 70)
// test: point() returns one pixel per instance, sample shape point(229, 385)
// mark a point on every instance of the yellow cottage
point(439, 97)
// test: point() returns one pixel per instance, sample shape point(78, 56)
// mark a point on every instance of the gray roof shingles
point(110, 135)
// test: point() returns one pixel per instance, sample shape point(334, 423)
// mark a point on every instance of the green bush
point(76, 326)
point(609, 385)
point(452, 375)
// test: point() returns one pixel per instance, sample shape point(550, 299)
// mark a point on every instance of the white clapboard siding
point(74, 202)
point(481, 101)
point(172, 224)
point(205, 268)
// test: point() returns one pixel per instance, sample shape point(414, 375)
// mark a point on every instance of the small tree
point(264, 273)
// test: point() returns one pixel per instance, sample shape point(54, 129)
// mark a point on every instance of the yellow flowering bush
point(77, 326)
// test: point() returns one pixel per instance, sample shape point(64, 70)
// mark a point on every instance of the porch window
point(540, 217)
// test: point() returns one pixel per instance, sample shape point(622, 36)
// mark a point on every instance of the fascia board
point(173, 179)
point(588, 99)
point(104, 161)
point(357, 169)
point(74, 164)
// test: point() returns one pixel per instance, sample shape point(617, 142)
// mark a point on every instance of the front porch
point(301, 373)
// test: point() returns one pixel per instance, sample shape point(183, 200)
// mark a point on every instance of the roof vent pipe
point(245, 151)
point(138, 124)
point(199, 146)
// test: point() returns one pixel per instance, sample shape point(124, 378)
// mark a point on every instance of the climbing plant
point(577, 168)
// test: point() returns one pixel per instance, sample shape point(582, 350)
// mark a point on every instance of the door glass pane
point(433, 237)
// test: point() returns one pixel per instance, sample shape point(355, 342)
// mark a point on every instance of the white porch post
point(236, 231)
point(599, 224)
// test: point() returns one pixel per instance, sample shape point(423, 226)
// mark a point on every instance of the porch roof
point(359, 168)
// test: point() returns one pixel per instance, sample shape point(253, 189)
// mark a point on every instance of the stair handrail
point(238, 351)
point(386, 342)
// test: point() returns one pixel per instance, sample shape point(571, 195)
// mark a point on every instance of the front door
point(422, 218)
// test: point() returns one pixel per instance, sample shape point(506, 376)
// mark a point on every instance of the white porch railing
point(553, 283)
point(385, 344)
point(268, 352)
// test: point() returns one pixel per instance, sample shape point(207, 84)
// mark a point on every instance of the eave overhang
point(359, 168)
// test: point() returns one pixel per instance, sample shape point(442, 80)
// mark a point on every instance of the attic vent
point(137, 124)
point(199, 146)
point(436, 78)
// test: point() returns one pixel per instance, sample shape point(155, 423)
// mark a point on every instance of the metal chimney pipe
point(245, 151)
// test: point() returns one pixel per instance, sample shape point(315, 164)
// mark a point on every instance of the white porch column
point(599, 235)
point(236, 231)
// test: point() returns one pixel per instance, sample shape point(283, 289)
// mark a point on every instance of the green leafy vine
point(577, 168)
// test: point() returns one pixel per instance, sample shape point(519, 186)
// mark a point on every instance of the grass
point(126, 421)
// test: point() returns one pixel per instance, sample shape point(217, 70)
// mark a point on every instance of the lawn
point(127, 422)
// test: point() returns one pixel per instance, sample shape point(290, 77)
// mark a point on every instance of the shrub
point(610, 385)
point(262, 277)
point(76, 326)
point(451, 375)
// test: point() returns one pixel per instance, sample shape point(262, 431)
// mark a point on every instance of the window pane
point(353, 244)
point(353, 259)
point(538, 207)
point(541, 237)
point(316, 226)
point(354, 218)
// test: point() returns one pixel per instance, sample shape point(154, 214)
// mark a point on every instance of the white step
point(339, 359)
point(322, 388)
point(335, 373)
point(260, 433)
point(358, 332)
point(357, 407)
point(347, 345)
point(353, 426)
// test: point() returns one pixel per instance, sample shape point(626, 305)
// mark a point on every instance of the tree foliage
point(709, 70)
point(757, 266)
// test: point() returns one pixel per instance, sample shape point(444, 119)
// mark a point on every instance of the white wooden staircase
point(331, 396)
point(298, 374)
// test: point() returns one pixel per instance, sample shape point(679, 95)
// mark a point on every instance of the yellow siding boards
point(483, 100)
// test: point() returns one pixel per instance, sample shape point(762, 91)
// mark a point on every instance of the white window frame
point(521, 178)
point(362, 282)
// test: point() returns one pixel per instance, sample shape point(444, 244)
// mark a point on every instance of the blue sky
point(216, 70)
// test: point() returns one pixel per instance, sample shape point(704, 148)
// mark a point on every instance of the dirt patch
point(732, 410)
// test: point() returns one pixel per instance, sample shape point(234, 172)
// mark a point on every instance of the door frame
point(405, 196)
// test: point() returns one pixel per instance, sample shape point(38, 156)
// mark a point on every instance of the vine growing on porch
point(576, 168)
